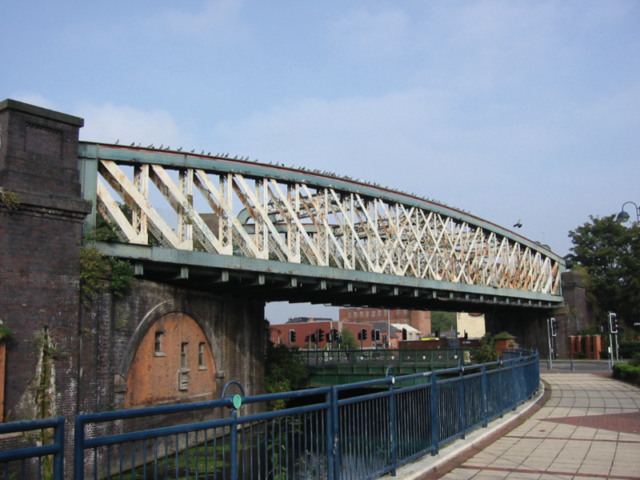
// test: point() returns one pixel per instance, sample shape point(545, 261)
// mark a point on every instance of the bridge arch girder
point(243, 211)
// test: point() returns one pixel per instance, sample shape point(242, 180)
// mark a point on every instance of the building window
point(157, 347)
point(367, 313)
point(349, 314)
point(201, 350)
point(183, 354)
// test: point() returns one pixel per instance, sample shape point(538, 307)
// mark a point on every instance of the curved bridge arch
point(298, 235)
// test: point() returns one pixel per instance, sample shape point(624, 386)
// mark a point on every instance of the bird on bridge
point(117, 142)
point(518, 225)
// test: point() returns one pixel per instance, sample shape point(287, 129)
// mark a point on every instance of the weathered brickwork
point(173, 361)
point(65, 357)
point(38, 255)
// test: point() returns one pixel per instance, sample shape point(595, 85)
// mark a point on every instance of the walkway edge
point(420, 468)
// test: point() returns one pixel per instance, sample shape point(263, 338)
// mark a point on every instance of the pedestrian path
point(589, 428)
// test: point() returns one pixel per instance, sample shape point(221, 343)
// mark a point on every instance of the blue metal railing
point(31, 460)
point(341, 432)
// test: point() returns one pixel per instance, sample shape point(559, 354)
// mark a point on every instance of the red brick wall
point(154, 376)
point(280, 332)
point(418, 319)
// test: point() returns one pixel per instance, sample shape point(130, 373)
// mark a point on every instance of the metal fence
point(434, 357)
point(341, 432)
point(38, 451)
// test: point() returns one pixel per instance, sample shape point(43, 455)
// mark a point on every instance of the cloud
point(109, 122)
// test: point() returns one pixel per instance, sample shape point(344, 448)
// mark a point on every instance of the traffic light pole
point(550, 358)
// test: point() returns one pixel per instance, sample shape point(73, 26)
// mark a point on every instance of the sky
point(511, 110)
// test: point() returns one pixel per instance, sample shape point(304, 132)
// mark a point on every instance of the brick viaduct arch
point(153, 361)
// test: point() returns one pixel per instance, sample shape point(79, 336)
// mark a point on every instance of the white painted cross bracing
point(305, 221)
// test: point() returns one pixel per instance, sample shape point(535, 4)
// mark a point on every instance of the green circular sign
point(237, 401)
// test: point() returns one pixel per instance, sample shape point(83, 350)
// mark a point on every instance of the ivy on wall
point(100, 274)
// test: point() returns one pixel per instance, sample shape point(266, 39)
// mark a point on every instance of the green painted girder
point(136, 156)
point(434, 289)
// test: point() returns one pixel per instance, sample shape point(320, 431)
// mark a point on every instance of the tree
point(443, 321)
point(610, 253)
point(348, 340)
point(284, 371)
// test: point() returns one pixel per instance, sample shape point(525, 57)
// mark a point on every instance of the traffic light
point(313, 338)
point(375, 335)
point(404, 333)
point(466, 335)
point(364, 334)
point(306, 339)
point(554, 326)
point(320, 335)
point(613, 323)
point(292, 336)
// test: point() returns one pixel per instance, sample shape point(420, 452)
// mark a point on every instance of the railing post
point(233, 444)
point(500, 373)
point(78, 449)
point(330, 434)
point(485, 415)
point(393, 423)
point(435, 416)
point(58, 460)
point(463, 413)
point(335, 435)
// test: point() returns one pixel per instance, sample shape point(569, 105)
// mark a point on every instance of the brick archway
point(173, 362)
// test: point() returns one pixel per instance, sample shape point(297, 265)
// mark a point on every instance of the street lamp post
point(624, 216)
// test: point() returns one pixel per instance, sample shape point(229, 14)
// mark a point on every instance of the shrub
point(284, 371)
point(627, 372)
point(628, 349)
point(487, 352)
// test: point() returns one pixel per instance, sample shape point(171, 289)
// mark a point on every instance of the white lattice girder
point(318, 225)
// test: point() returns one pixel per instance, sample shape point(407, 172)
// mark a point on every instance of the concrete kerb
point(427, 464)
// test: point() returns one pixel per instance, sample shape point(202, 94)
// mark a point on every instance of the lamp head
point(622, 217)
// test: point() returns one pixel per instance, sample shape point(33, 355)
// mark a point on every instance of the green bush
point(628, 349)
point(487, 352)
point(627, 372)
point(635, 360)
point(284, 371)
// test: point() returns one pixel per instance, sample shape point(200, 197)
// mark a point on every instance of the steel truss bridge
point(286, 234)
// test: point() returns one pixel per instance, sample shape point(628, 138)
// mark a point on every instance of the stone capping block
point(10, 104)
point(54, 202)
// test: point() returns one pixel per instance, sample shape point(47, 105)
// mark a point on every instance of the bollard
point(571, 357)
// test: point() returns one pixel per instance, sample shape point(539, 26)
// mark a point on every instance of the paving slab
point(587, 427)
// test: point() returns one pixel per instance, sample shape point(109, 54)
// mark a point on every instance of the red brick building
point(304, 329)
point(418, 319)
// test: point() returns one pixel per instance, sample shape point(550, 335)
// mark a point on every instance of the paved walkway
point(589, 428)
